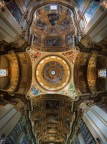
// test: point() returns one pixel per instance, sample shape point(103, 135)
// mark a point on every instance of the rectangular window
point(93, 6)
point(102, 73)
point(3, 72)
point(53, 7)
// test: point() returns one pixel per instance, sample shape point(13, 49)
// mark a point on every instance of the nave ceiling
point(53, 72)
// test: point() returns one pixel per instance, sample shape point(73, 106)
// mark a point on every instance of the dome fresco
point(53, 73)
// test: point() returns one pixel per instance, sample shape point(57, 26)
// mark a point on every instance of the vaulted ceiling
point(53, 73)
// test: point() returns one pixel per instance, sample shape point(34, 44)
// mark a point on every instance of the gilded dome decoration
point(53, 73)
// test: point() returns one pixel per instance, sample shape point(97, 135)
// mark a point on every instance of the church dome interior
point(53, 71)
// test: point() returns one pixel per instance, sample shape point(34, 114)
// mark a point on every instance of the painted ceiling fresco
point(51, 73)
point(49, 24)
point(53, 28)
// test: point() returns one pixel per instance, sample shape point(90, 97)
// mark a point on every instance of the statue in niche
point(41, 25)
point(53, 41)
point(53, 18)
